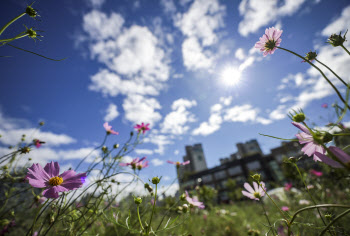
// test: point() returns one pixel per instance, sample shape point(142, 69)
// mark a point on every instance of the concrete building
point(195, 155)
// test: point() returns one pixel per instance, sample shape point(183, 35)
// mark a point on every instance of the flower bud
point(113, 181)
point(104, 149)
point(327, 137)
point(292, 159)
point(299, 117)
point(31, 12)
point(25, 150)
point(337, 40)
point(116, 146)
point(183, 197)
point(184, 208)
point(155, 180)
point(148, 187)
point(137, 200)
point(256, 177)
point(310, 56)
point(31, 33)
point(131, 133)
point(29, 159)
point(41, 123)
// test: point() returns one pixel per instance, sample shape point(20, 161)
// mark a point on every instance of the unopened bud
point(183, 197)
point(25, 150)
point(115, 146)
point(299, 117)
point(41, 123)
point(155, 180)
point(31, 12)
point(104, 149)
point(337, 40)
point(184, 208)
point(256, 177)
point(292, 159)
point(137, 200)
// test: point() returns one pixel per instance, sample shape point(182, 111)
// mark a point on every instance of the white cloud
point(96, 3)
point(241, 113)
point(141, 109)
point(226, 100)
point(206, 128)
point(194, 56)
point(109, 83)
point(99, 26)
point(111, 112)
point(257, 13)
point(176, 121)
point(168, 5)
point(13, 136)
point(160, 140)
point(340, 24)
point(144, 151)
point(157, 162)
point(200, 25)
point(239, 54)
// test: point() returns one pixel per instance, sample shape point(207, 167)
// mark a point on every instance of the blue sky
point(188, 67)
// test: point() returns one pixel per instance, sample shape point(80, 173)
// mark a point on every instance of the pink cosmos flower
point(109, 129)
point(324, 105)
point(269, 41)
point(255, 193)
point(141, 165)
point(38, 143)
point(178, 164)
point(338, 152)
point(311, 147)
point(133, 163)
point(142, 127)
point(49, 178)
point(285, 208)
point(194, 201)
point(316, 173)
point(288, 186)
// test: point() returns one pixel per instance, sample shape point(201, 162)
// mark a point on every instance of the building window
point(207, 178)
point(220, 174)
point(199, 158)
point(253, 165)
point(235, 170)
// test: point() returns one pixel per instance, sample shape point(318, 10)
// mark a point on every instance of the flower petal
point(52, 169)
point(50, 193)
point(248, 187)
point(343, 156)
point(325, 159)
point(36, 172)
point(301, 127)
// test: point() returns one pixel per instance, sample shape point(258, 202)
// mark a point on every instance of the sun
point(230, 76)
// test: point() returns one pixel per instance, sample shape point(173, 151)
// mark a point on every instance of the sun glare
point(230, 76)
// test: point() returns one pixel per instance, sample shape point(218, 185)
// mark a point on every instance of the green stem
point(317, 206)
point(332, 72)
point(10, 22)
point(335, 220)
point(312, 199)
point(138, 215)
point(345, 49)
point(283, 215)
point(154, 206)
point(36, 216)
point(267, 218)
point(11, 39)
point(324, 76)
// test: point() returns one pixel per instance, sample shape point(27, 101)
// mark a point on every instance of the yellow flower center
point(54, 181)
point(257, 195)
point(177, 163)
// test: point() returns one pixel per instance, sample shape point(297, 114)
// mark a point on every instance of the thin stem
point(138, 215)
point(154, 206)
point(10, 22)
point(345, 49)
point(312, 199)
point(324, 76)
point(332, 72)
point(36, 216)
point(283, 215)
point(316, 206)
point(267, 218)
point(335, 220)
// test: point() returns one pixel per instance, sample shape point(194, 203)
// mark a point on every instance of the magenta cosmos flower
point(288, 186)
point(285, 208)
point(142, 127)
point(134, 163)
point(316, 173)
point(269, 41)
point(141, 165)
point(194, 201)
point(255, 193)
point(109, 129)
point(53, 182)
point(339, 153)
point(311, 147)
point(178, 164)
